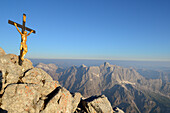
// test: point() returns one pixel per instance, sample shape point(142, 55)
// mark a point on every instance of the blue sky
point(89, 29)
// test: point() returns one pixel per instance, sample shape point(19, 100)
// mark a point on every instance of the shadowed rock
point(96, 104)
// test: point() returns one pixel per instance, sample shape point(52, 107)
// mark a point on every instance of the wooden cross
point(23, 29)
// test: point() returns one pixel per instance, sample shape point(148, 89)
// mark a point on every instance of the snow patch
point(127, 82)
point(95, 74)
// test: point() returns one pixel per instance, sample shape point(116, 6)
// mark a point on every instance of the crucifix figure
point(23, 47)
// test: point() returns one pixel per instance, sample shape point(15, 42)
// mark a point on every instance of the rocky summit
point(26, 89)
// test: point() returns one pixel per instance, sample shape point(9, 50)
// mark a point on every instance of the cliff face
point(25, 89)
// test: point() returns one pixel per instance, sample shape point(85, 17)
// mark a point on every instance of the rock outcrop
point(25, 89)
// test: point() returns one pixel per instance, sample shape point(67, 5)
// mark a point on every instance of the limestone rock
point(20, 98)
point(96, 104)
point(48, 87)
point(26, 65)
point(42, 79)
point(76, 100)
point(36, 76)
point(2, 52)
point(61, 102)
point(10, 71)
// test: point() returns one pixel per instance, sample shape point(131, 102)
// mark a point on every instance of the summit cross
point(23, 47)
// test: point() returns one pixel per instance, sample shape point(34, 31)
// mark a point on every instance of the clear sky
point(89, 29)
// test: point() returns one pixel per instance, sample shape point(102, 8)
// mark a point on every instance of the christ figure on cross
point(23, 41)
point(23, 47)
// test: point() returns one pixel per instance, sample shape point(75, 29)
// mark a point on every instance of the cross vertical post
point(23, 23)
point(23, 29)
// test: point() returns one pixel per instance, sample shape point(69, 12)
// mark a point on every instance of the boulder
point(20, 98)
point(96, 104)
point(60, 100)
point(76, 100)
point(42, 79)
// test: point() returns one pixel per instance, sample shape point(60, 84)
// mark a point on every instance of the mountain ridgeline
point(124, 87)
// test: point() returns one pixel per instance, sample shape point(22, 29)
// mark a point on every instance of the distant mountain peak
point(106, 64)
point(83, 65)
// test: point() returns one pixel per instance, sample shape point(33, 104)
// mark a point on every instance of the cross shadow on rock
point(0, 81)
point(93, 98)
point(3, 111)
point(51, 95)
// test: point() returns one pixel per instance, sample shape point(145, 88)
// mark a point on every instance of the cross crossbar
point(20, 26)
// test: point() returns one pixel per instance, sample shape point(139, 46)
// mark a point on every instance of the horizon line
point(144, 60)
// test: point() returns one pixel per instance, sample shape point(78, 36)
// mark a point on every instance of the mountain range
point(124, 87)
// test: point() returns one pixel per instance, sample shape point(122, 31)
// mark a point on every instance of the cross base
point(20, 61)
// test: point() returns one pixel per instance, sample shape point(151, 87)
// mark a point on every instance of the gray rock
point(61, 102)
point(36, 76)
point(19, 98)
point(97, 104)
point(26, 65)
point(76, 100)
point(42, 79)
point(10, 71)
